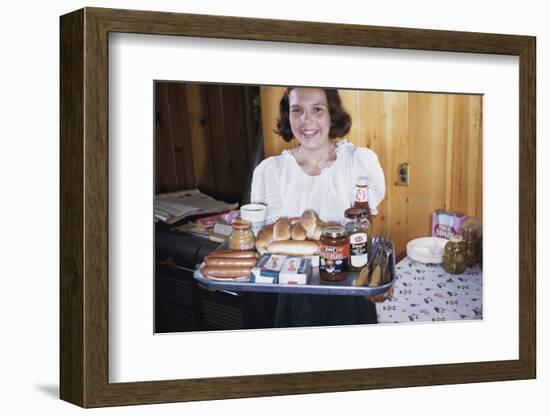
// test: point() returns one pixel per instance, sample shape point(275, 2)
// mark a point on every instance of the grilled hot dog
point(226, 271)
point(237, 254)
point(229, 261)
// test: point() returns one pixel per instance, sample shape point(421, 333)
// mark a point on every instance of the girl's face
point(309, 117)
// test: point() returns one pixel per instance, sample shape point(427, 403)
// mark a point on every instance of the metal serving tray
point(314, 285)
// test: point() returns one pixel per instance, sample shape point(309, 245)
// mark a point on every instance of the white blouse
point(281, 184)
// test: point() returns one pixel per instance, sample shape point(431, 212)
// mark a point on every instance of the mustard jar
point(242, 237)
point(454, 259)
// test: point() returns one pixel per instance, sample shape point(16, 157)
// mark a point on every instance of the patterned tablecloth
point(425, 292)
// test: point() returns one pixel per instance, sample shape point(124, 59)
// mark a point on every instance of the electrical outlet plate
point(403, 174)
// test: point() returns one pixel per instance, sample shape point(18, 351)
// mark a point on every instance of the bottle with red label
point(360, 195)
point(357, 229)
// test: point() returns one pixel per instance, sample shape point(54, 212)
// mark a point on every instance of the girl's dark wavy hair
point(340, 120)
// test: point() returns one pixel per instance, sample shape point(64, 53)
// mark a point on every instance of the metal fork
point(387, 251)
point(375, 270)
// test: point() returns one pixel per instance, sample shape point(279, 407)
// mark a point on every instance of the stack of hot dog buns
point(297, 236)
point(229, 264)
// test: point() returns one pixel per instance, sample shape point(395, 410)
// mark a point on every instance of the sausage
point(229, 261)
point(226, 271)
point(238, 254)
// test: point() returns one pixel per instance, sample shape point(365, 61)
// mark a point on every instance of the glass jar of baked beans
point(334, 254)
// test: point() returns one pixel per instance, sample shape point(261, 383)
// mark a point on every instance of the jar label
point(334, 259)
point(246, 246)
point(358, 249)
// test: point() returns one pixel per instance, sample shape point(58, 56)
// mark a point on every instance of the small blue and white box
point(268, 267)
point(295, 271)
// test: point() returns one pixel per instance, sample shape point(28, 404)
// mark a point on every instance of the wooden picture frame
point(84, 207)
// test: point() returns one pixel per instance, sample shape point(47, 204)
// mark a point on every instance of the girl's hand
point(382, 297)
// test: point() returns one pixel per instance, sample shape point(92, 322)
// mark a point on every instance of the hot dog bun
point(264, 237)
point(309, 223)
point(281, 229)
point(298, 232)
point(294, 247)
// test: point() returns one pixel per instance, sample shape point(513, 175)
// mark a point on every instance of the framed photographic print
point(161, 110)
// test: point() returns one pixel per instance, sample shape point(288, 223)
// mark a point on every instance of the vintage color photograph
point(289, 206)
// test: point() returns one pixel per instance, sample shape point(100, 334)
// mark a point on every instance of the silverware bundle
point(381, 262)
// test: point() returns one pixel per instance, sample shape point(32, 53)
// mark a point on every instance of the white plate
point(427, 249)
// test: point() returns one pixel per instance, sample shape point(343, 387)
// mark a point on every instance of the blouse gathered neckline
point(325, 170)
point(287, 190)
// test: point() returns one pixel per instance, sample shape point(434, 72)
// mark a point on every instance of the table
point(425, 292)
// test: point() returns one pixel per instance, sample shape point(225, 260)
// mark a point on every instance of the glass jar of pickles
point(471, 233)
point(454, 259)
point(242, 237)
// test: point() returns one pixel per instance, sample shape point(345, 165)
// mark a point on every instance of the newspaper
point(175, 206)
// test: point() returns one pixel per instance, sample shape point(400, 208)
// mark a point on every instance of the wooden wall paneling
point(165, 166)
point(201, 142)
point(427, 148)
point(229, 152)
point(269, 98)
point(371, 124)
point(380, 120)
point(378, 112)
point(238, 144)
point(395, 151)
point(464, 193)
point(190, 118)
point(449, 153)
point(251, 122)
point(216, 117)
point(173, 164)
point(180, 135)
point(456, 146)
point(372, 134)
point(350, 102)
point(477, 111)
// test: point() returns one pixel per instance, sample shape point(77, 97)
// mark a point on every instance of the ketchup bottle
point(360, 198)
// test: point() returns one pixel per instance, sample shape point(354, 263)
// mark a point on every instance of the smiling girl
point(320, 174)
